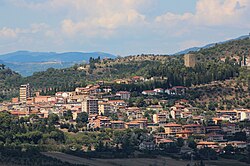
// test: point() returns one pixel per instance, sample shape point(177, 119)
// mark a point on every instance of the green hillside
point(9, 83)
point(209, 68)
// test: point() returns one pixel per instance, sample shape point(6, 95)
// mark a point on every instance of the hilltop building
point(24, 92)
point(190, 60)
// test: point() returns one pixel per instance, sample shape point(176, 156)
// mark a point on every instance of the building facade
point(90, 106)
point(24, 92)
point(189, 60)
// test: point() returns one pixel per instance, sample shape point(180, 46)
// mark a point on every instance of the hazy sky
point(121, 27)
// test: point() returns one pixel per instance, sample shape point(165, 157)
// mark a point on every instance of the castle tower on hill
point(190, 60)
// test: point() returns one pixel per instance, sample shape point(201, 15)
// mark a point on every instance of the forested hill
point(209, 68)
point(9, 83)
point(232, 49)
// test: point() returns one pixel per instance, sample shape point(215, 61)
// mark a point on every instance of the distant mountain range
point(26, 62)
point(193, 49)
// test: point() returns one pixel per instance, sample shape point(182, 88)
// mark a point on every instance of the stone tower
point(189, 60)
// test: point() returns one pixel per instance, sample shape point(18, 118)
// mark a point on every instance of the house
point(133, 113)
point(161, 118)
point(194, 128)
point(137, 79)
point(184, 134)
point(100, 122)
point(172, 128)
point(156, 108)
point(104, 108)
point(198, 119)
point(15, 100)
point(41, 99)
point(230, 115)
point(214, 137)
point(132, 125)
point(149, 92)
point(147, 146)
point(184, 114)
point(117, 124)
point(216, 120)
point(191, 109)
point(117, 103)
point(230, 128)
point(213, 129)
point(142, 122)
point(165, 143)
point(238, 144)
point(123, 81)
point(124, 95)
point(176, 90)
point(175, 114)
point(178, 107)
point(159, 90)
point(244, 115)
point(107, 89)
point(207, 144)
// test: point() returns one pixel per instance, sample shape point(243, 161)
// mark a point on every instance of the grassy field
point(160, 161)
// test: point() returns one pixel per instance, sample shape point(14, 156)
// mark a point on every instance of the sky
point(120, 27)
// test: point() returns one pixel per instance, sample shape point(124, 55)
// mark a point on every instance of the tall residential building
point(189, 60)
point(24, 93)
point(104, 108)
point(90, 106)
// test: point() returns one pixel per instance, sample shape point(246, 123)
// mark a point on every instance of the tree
point(229, 149)
point(161, 129)
point(53, 119)
point(67, 115)
point(82, 117)
point(240, 136)
point(191, 143)
point(180, 142)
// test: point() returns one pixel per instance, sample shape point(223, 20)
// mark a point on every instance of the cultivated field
point(160, 161)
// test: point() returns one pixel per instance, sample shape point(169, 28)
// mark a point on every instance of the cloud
point(8, 32)
point(95, 24)
point(104, 25)
point(91, 18)
point(212, 13)
point(227, 12)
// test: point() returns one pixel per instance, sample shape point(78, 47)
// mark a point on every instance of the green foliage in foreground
point(27, 157)
point(14, 131)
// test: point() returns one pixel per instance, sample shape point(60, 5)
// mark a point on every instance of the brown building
point(172, 128)
point(90, 106)
point(189, 60)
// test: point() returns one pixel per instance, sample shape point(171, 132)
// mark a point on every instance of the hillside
point(226, 94)
point(171, 69)
point(195, 49)
point(9, 83)
point(26, 63)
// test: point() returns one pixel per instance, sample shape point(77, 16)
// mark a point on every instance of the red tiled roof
point(172, 125)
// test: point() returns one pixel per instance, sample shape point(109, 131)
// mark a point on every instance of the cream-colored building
point(104, 108)
point(24, 93)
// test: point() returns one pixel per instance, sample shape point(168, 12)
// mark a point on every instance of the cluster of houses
point(164, 123)
point(176, 90)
